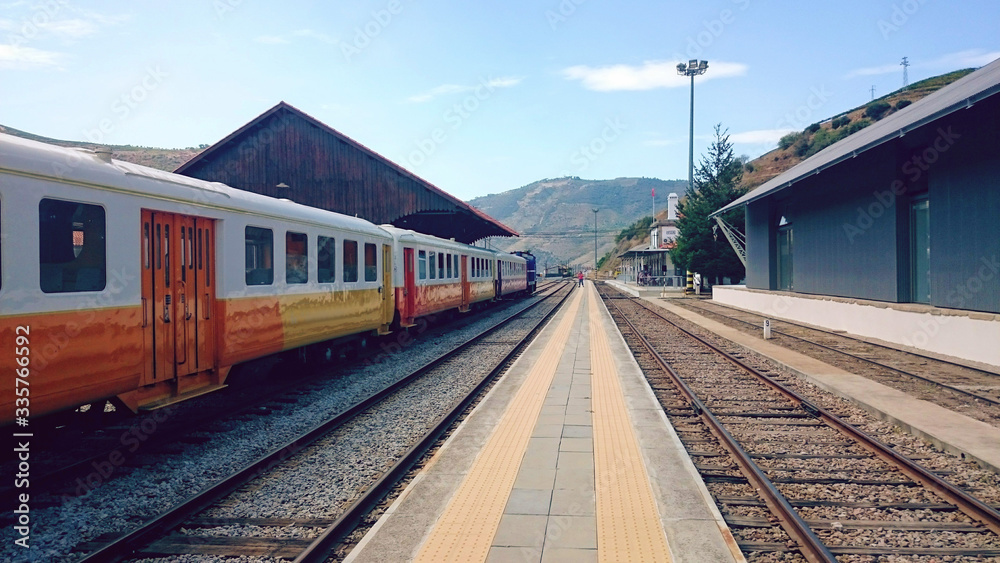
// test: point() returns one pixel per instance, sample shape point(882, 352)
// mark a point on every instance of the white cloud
point(649, 75)
point(72, 29)
point(21, 58)
point(760, 136)
point(315, 35)
point(446, 89)
point(271, 39)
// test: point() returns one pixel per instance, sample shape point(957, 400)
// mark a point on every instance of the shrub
point(748, 167)
point(839, 122)
point(801, 146)
point(812, 128)
point(877, 110)
point(902, 104)
point(858, 126)
point(788, 140)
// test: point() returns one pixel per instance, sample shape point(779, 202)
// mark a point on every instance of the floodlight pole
point(692, 68)
point(595, 210)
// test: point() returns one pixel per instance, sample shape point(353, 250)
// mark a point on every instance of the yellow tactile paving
point(465, 531)
point(628, 524)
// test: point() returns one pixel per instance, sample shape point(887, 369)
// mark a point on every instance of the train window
point(475, 267)
point(422, 264)
point(371, 262)
point(183, 255)
point(296, 257)
point(208, 258)
point(72, 250)
point(448, 265)
point(1, 246)
point(260, 256)
point(326, 270)
point(432, 264)
point(350, 261)
point(441, 265)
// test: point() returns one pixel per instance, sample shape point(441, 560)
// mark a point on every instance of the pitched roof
point(491, 226)
point(962, 93)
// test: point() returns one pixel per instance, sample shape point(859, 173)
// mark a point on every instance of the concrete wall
point(959, 336)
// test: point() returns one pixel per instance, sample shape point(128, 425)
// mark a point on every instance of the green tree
point(716, 183)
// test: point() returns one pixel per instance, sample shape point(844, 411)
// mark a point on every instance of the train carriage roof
point(89, 169)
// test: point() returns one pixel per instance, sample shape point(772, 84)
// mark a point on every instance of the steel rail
point(327, 541)
point(811, 547)
point(971, 506)
point(128, 544)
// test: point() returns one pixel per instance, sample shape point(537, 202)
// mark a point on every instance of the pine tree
point(716, 183)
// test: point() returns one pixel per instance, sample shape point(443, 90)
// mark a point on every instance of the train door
point(386, 290)
point(409, 287)
point(177, 295)
point(464, 261)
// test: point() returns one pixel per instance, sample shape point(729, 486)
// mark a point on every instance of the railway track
point(194, 526)
point(794, 480)
point(75, 455)
point(894, 367)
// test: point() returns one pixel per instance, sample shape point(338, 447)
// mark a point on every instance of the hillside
point(796, 147)
point(162, 159)
point(556, 220)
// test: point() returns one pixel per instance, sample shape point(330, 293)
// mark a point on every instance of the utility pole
point(906, 78)
point(873, 92)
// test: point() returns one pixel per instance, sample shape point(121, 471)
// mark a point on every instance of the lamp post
point(692, 68)
point(595, 210)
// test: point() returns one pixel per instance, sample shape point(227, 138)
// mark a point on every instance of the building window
point(350, 261)
point(326, 260)
point(259, 256)
point(371, 262)
point(72, 250)
point(784, 253)
point(296, 257)
point(422, 264)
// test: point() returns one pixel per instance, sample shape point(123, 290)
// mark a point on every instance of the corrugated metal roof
point(960, 94)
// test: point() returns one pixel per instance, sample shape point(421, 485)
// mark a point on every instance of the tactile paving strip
point(466, 529)
point(628, 524)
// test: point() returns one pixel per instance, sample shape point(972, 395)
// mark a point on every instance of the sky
point(476, 97)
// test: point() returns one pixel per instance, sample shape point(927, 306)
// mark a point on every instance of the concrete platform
point(597, 444)
point(964, 335)
point(944, 428)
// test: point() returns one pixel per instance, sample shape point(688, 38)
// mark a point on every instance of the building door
point(177, 295)
point(785, 258)
point(920, 251)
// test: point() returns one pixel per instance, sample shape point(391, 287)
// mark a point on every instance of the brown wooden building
point(285, 153)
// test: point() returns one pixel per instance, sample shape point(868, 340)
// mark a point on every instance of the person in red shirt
point(579, 276)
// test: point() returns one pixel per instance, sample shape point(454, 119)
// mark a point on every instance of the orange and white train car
point(118, 280)
point(432, 275)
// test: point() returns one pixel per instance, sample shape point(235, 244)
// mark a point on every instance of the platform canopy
point(285, 153)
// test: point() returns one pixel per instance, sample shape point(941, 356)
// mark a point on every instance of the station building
point(892, 233)
point(651, 263)
point(285, 153)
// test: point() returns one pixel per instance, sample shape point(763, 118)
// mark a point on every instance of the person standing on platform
point(579, 276)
